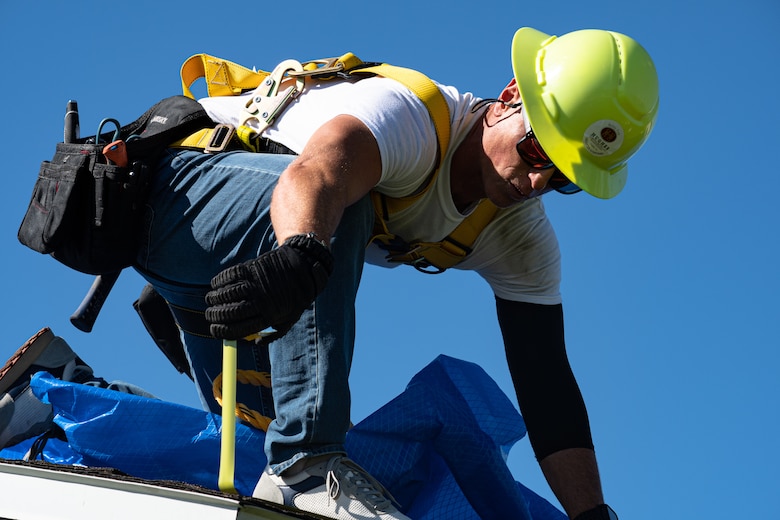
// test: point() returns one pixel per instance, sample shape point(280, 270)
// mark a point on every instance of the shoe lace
point(39, 445)
point(367, 489)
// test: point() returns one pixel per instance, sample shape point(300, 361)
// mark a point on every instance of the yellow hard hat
point(591, 98)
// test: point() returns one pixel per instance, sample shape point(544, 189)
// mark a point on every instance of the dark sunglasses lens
point(531, 152)
point(560, 183)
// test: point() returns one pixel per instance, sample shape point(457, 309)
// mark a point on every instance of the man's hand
point(271, 291)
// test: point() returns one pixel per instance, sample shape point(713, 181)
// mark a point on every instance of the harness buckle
point(424, 266)
point(220, 138)
point(400, 251)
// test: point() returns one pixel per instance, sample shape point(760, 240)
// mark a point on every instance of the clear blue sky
point(670, 289)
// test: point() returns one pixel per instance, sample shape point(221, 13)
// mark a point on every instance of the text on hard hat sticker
point(603, 137)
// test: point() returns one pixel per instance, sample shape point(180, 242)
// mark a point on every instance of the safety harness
point(271, 94)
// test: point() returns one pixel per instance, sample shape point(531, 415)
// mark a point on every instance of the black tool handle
point(71, 133)
point(85, 316)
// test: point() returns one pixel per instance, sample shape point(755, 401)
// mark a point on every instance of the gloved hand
point(271, 291)
point(602, 512)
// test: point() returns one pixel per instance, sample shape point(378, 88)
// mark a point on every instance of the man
point(285, 236)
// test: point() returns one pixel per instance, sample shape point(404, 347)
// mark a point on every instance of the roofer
point(284, 238)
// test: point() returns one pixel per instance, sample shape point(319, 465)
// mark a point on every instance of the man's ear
point(510, 94)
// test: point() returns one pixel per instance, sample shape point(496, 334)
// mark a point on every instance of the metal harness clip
point(266, 102)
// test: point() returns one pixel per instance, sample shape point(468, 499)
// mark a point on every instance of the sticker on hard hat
point(603, 137)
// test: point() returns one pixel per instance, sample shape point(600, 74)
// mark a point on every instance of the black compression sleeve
point(548, 394)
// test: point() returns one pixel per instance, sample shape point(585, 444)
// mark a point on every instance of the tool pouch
point(87, 212)
point(160, 324)
point(84, 211)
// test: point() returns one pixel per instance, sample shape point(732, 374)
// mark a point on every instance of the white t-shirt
point(517, 253)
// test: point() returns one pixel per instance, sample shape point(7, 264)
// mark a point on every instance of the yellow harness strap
point(223, 78)
point(439, 111)
point(432, 257)
point(426, 90)
point(198, 140)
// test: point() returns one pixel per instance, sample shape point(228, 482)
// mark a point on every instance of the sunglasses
point(533, 155)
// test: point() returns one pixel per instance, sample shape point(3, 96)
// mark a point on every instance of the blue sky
point(670, 289)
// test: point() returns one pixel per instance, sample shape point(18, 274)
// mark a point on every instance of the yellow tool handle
point(227, 457)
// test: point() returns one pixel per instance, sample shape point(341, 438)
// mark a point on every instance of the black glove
point(602, 512)
point(271, 291)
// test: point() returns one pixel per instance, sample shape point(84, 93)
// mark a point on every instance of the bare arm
point(338, 166)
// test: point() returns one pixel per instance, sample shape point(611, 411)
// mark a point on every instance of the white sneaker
point(335, 488)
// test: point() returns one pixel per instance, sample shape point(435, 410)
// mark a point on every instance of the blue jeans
point(208, 212)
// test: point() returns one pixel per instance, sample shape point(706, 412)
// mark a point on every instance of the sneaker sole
point(24, 357)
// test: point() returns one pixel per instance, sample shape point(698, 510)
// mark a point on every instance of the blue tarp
point(439, 447)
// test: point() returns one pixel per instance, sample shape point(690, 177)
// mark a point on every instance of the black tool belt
point(191, 321)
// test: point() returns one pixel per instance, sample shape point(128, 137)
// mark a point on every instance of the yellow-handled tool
point(227, 457)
